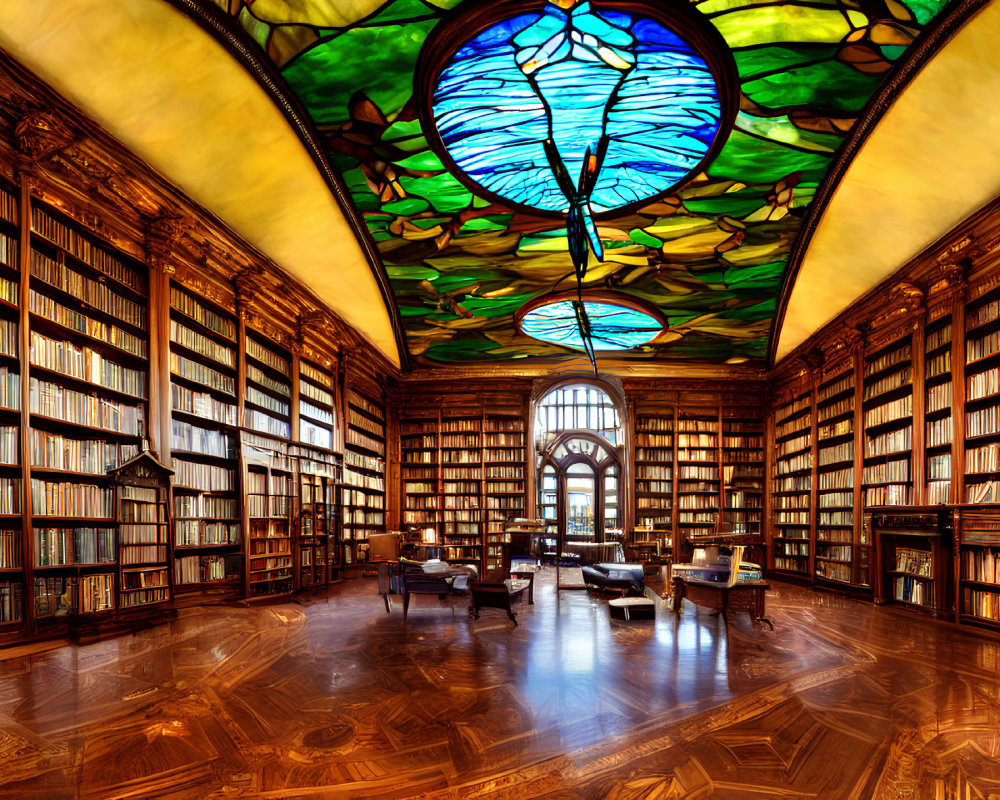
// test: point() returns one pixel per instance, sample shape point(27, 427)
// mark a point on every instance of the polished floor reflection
point(325, 698)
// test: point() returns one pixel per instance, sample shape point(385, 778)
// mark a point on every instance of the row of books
point(910, 590)
point(654, 424)
point(374, 482)
point(45, 306)
point(789, 564)
point(980, 603)
point(797, 463)
point(190, 307)
point(317, 376)
point(988, 345)
point(793, 445)
point(833, 429)
point(8, 207)
point(197, 372)
point(8, 338)
point(96, 593)
point(697, 501)
point(889, 412)
point(55, 499)
point(697, 426)
point(9, 291)
point(984, 422)
point(259, 421)
point(266, 401)
point(257, 351)
point(836, 517)
point(836, 409)
point(202, 345)
point(363, 403)
point(259, 377)
point(204, 506)
point(10, 549)
point(653, 486)
point(837, 499)
point(363, 517)
point(315, 412)
point(85, 364)
point(87, 290)
point(834, 552)
point(504, 472)
point(199, 569)
point(983, 384)
point(896, 441)
point(895, 380)
point(896, 471)
point(888, 359)
point(378, 446)
point(836, 535)
point(200, 533)
point(708, 440)
point(653, 440)
point(202, 404)
point(836, 386)
point(314, 435)
point(652, 502)
point(837, 479)
point(793, 483)
point(82, 248)
point(803, 423)
point(788, 410)
point(55, 451)
point(939, 467)
point(836, 454)
point(318, 396)
point(938, 365)
point(938, 338)
point(833, 571)
point(893, 494)
point(939, 431)
point(190, 438)
point(981, 564)
point(654, 454)
point(792, 517)
point(939, 397)
point(938, 491)
point(137, 534)
point(742, 499)
point(84, 545)
point(787, 501)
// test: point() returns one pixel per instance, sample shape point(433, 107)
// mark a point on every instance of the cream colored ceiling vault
point(931, 161)
point(170, 92)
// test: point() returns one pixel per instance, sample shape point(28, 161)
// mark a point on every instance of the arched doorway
point(578, 434)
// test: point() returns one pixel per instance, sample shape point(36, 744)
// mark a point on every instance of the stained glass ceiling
point(710, 256)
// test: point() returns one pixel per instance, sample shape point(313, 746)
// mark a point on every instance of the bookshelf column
point(26, 183)
point(162, 235)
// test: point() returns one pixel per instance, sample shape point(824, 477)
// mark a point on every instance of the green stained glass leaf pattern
point(712, 259)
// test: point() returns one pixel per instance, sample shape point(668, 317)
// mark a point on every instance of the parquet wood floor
point(324, 698)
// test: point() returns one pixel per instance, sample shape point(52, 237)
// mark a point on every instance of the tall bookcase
point(792, 485)
point(12, 541)
point(462, 484)
point(317, 407)
point(978, 530)
point(838, 553)
point(982, 399)
point(86, 334)
point(699, 475)
point(654, 469)
point(204, 415)
point(420, 470)
point(938, 399)
point(364, 474)
point(269, 493)
point(268, 389)
point(504, 478)
point(887, 476)
point(743, 469)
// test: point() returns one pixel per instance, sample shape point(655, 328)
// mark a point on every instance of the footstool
point(632, 608)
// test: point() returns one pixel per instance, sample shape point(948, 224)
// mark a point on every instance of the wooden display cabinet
point(913, 557)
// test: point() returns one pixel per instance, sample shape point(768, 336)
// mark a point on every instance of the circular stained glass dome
point(612, 326)
point(577, 104)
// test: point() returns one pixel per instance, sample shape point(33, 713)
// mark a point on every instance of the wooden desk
point(497, 595)
point(747, 597)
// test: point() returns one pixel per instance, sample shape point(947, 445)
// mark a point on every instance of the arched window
point(576, 407)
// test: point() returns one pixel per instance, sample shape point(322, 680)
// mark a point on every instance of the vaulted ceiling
point(709, 259)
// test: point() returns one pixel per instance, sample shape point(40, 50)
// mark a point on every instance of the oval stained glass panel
point(616, 94)
point(612, 326)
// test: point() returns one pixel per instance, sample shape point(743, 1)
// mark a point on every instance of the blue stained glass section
point(628, 92)
point(612, 327)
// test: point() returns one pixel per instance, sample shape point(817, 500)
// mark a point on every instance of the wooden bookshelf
point(363, 493)
point(504, 472)
point(938, 399)
point(792, 486)
point(913, 564)
point(654, 468)
point(887, 474)
point(317, 407)
point(837, 555)
point(698, 470)
point(269, 495)
point(204, 414)
point(982, 399)
point(742, 448)
point(268, 389)
point(420, 470)
point(978, 531)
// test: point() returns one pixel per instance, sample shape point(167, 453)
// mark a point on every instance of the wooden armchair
point(514, 578)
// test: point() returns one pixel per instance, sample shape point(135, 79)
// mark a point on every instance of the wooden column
point(858, 430)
